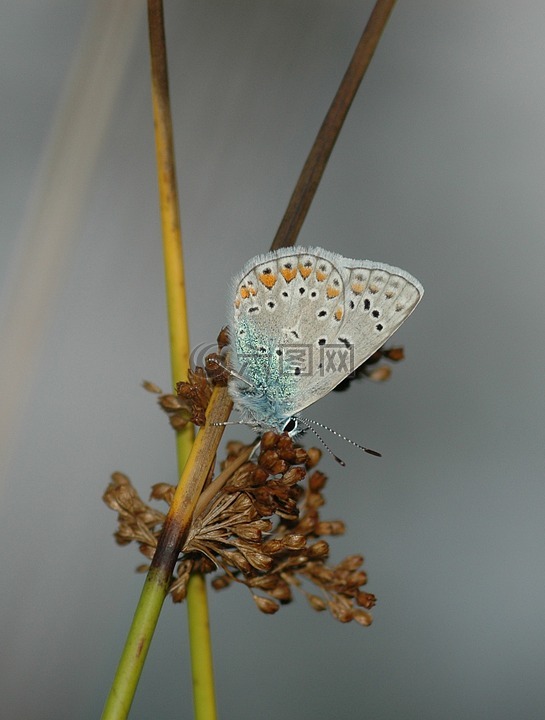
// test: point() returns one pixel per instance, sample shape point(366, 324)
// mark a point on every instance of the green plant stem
point(194, 472)
point(134, 653)
point(201, 649)
point(197, 605)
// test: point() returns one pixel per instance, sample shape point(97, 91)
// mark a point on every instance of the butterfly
point(300, 321)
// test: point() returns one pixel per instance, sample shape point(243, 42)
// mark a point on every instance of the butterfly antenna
point(308, 422)
point(320, 438)
point(231, 372)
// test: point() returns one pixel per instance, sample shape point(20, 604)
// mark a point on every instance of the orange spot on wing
point(338, 314)
point(357, 288)
point(244, 292)
point(288, 273)
point(320, 276)
point(332, 292)
point(305, 271)
point(268, 279)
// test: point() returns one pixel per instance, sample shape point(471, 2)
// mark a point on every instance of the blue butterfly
point(302, 320)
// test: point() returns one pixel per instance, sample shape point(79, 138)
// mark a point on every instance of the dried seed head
point(270, 461)
point(237, 559)
point(293, 476)
point(162, 491)
point(317, 603)
point(220, 582)
point(223, 338)
point(147, 550)
point(380, 374)
point(118, 478)
point(268, 441)
point(294, 541)
point(341, 611)
point(366, 600)
point(151, 387)
point(264, 582)
point(281, 591)
point(362, 617)
point(351, 562)
point(273, 547)
point(248, 531)
point(259, 560)
point(195, 394)
point(394, 354)
point(266, 605)
point(262, 528)
point(314, 456)
point(178, 422)
point(358, 578)
point(172, 402)
point(317, 481)
point(333, 527)
point(320, 549)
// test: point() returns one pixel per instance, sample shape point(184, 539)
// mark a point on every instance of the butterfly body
point(302, 320)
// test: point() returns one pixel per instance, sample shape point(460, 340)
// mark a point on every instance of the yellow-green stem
point(201, 649)
point(197, 606)
point(158, 579)
point(134, 653)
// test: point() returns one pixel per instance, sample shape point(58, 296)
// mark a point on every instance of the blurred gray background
point(440, 169)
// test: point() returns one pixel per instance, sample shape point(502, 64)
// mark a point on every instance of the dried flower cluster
point(262, 529)
point(189, 404)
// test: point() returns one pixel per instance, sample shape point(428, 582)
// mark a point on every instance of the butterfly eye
point(290, 426)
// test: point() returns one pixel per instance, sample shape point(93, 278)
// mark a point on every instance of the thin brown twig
point(328, 133)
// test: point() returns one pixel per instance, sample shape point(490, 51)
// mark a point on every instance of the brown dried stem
point(316, 162)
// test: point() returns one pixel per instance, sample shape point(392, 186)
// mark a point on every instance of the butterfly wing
point(304, 319)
